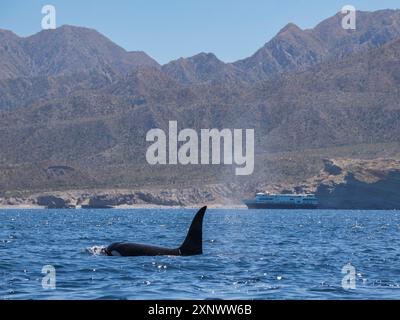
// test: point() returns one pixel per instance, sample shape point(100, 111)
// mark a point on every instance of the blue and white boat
point(282, 201)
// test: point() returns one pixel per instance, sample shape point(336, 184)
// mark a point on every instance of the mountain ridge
point(292, 49)
point(94, 120)
point(67, 50)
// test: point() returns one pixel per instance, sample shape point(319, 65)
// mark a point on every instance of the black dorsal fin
point(193, 243)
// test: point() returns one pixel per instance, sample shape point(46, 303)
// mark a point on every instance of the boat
point(282, 201)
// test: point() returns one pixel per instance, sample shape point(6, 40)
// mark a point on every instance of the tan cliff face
point(363, 184)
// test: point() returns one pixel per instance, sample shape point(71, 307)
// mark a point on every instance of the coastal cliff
point(341, 184)
point(217, 195)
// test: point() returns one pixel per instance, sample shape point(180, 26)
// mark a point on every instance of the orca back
point(193, 244)
point(136, 249)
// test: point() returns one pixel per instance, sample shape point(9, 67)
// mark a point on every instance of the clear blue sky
point(169, 29)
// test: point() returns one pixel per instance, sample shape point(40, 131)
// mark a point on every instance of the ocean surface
point(247, 254)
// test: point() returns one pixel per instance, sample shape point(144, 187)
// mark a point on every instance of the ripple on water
point(247, 254)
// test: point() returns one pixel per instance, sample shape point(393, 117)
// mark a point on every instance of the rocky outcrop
point(383, 194)
point(331, 168)
point(360, 184)
point(52, 202)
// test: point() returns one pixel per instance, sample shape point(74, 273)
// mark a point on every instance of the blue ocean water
point(247, 254)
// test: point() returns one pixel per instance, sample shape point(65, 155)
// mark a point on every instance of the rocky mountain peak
point(290, 27)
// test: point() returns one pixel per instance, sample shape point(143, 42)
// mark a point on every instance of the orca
point(193, 244)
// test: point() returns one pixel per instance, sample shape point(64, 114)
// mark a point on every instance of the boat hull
point(279, 206)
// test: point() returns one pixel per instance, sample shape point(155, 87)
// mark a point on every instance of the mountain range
point(75, 107)
point(66, 50)
point(293, 50)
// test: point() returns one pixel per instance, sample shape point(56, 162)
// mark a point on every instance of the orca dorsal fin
point(193, 244)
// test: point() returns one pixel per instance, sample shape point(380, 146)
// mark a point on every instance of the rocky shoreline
point(342, 184)
point(212, 195)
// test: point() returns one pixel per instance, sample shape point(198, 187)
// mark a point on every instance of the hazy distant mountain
point(14, 62)
point(70, 97)
point(291, 50)
point(294, 49)
point(143, 82)
point(66, 50)
point(347, 102)
point(204, 67)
